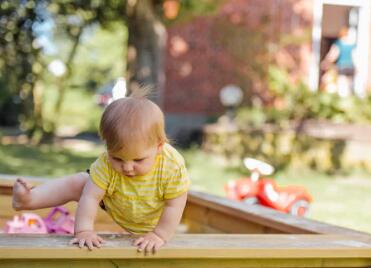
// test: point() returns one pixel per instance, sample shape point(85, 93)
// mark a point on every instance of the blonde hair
point(132, 122)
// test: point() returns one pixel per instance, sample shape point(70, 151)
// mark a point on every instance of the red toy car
point(256, 190)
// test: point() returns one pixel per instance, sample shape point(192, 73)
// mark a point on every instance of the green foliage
point(71, 12)
point(78, 112)
point(93, 66)
point(295, 102)
point(23, 62)
point(269, 132)
point(19, 61)
point(200, 7)
point(190, 9)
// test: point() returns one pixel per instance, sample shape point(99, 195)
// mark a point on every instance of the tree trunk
point(146, 44)
point(62, 81)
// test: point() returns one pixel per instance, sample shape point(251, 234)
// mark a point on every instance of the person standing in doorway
point(341, 54)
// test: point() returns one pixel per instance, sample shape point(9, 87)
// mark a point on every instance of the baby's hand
point(149, 242)
point(88, 238)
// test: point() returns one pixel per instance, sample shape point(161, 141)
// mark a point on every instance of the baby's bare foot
point(21, 194)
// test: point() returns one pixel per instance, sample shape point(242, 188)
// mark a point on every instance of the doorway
point(329, 17)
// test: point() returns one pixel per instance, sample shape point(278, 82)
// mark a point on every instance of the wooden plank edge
point(183, 253)
point(192, 247)
point(269, 217)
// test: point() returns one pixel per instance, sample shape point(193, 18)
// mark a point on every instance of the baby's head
point(134, 131)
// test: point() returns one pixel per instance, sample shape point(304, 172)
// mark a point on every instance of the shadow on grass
point(43, 161)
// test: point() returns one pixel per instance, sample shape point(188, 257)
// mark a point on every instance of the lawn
point(43, 161)
point(343, 201)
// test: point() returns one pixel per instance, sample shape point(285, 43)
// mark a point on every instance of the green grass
point(344, 201)
point(43, 161)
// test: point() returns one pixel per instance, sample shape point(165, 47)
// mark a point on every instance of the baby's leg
point(50, 194)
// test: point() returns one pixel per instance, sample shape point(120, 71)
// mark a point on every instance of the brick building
point(241, 40)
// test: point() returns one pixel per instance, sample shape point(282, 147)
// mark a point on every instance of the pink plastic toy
point(59, 221)
point(28, 223)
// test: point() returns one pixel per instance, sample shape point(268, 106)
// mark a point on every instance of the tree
point(21, 61)
point(72, 18)
point(146, 43)
point(22, 64)
point(147, 37)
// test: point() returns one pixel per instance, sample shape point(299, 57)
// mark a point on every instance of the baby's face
point(138, 164)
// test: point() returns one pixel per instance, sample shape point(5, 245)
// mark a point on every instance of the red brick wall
point(235, 46)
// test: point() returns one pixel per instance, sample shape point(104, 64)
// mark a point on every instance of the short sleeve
point(177, 183)
point(100, 172)
point(337, 43)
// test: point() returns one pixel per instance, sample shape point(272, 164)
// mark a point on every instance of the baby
point(140, 181)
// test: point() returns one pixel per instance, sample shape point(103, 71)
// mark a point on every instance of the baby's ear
point(160, 146)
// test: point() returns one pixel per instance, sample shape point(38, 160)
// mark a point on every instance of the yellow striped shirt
point(136, 203)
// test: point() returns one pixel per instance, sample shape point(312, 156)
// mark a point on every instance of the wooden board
point(192, 251)
point(227, 215)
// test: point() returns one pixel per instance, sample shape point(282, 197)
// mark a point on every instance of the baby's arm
point(166, 226)
point(85, 216)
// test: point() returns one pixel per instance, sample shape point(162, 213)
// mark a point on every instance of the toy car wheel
point(250, 200)
point(300, 208)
